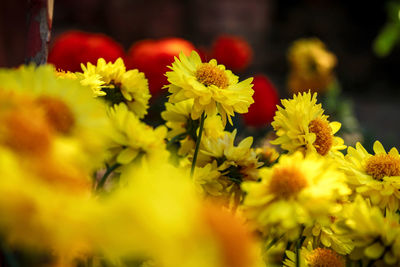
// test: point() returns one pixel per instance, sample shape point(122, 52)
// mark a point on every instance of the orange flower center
point(324, 139)
point(58, 114)
point(287, 182)
point(27, 130)
point(382, 165)
point(323, 257)
point(209, 74)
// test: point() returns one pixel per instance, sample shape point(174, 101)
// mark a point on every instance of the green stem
point(298, 248)
point(106, 174)
point(196, 150)
point(177, 138)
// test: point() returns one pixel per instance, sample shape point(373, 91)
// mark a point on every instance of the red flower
point(233, 52)
point(72, 48)
point(153, 56)
point(262, 111)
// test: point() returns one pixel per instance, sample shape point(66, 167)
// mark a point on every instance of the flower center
point(323, 257)
point(287, 182)
point(209, 74)
point(27, 130)
point(381, 165)
point(58, 114)
point(113, 94)
point(324, 139)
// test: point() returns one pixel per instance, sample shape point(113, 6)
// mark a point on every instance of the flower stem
point(106, 174)
point(196, 150)
point(298, 248)
point(177, 138)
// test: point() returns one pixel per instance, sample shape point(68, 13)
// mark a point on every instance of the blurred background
point(348, 29)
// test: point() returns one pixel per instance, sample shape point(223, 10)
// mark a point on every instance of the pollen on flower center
point(381, 165)
point(209, 74)
point(324, 139)
point(58, 114)
point(287, 182)
point(323, 257)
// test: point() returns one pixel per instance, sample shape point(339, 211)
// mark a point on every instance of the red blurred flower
point(72, 48)
point(153, 56)
point(262, 111)
point(232, 51)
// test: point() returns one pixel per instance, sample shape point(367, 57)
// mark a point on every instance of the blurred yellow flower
point(302, 126)
point(237, 245)
point(311, 66)
point(376, 235)
point(117, 85)
point(61, 108)
point(211, 86)
point(328, 236)
point(294, 193)
point(375, 176)
point(133, 139)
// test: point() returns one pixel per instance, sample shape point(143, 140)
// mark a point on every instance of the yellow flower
point(65, 75)
point(375, 235)
point(311, 66)
point(116, 85)
point(185, 129)
point(132, 139)
point(237, 246)
point(267, 152)
point(318, 257)
point(152, 216)
point(302, 126)
point(226, 166)
point(328, 236)
point(296, 192)
point(375, 176)
point(33, 205)
point(78, 122)
point(211, 86)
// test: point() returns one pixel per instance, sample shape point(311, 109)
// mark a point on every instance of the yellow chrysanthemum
point(117, 85)
point(228, 166)
point(298, 191)
point(318, 257)
point(328, 237)
point(237, 245)
point(79, 122)
point(302, 126)
point(211, 86)
point(375, 176)
point(133, 139)
point(184, 129)
point(32, 208)
point(311, 66)
point(376, 236)
point(267, 152)
point(65, 74)
point(153, 216)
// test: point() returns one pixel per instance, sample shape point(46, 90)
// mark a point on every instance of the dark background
point(348, 28)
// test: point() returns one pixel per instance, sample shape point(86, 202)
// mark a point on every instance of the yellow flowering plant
point(85, 180)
